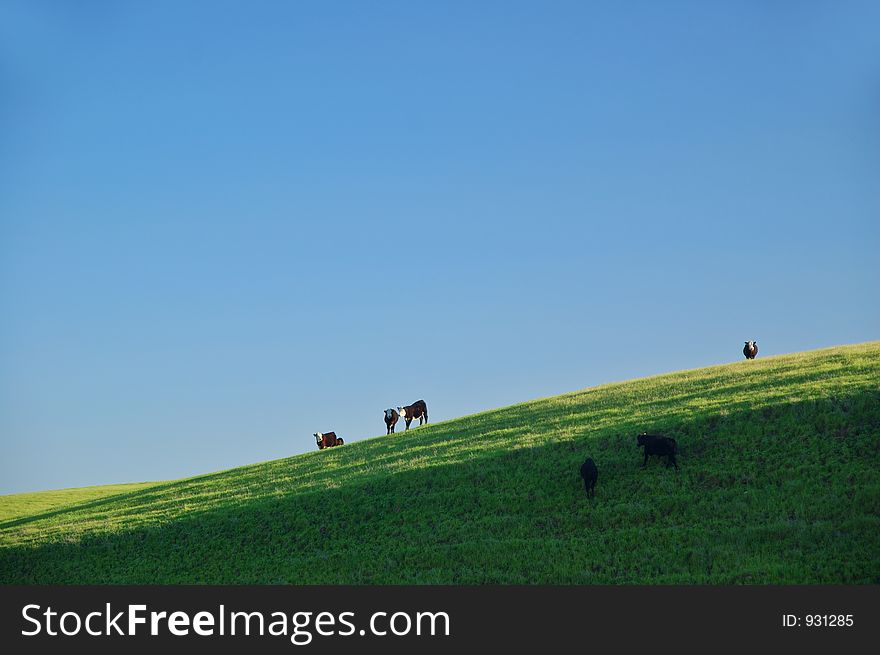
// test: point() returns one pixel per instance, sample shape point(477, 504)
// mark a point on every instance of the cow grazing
point(391, 417)
point(418, 410)
point(750, 350)
point(660, 446)
point(327, 440)
point(590, 474)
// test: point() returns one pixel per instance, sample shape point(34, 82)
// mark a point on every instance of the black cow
point(660, 446)
point(590, 474)
point(327, 440)
point(750, 350)
point(391, 417)
point(418, 410)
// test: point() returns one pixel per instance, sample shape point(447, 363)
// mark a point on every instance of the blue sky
point(226, 226)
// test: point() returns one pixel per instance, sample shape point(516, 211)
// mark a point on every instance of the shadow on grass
point(622, 405)
point(743, 508)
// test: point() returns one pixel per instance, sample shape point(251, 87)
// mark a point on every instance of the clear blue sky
point(226, 226)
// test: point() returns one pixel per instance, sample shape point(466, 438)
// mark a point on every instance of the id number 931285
point(818, 620)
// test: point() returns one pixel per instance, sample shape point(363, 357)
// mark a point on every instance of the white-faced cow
point(327, 440)
point(750, 350)
point(418, 410)
point(391, 417)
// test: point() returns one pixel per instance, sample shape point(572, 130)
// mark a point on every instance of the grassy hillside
point(23, 506)
point(779, 483)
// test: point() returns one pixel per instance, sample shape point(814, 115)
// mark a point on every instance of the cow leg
point(674, 462)
point(408, 421)
point(645, 463)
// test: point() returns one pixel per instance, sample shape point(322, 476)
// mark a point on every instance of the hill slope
point(779, 483)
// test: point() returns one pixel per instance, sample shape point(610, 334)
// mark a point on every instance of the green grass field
point(779, 483)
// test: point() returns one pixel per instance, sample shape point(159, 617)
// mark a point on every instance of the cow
point(418, 410)
point(391, 417)
point(750, 350)
point(327, 440)
point(660, 446)
point(590, 474)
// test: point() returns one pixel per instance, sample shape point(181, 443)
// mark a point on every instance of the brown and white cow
point(418, 410)
point(327, 440)
point(750, 350)
point(391, 417)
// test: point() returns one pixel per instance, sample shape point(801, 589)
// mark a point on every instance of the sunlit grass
point(779, 482)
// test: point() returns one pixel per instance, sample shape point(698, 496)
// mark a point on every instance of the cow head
point(319, 437)
point(402, 411)
point(389, 414)
point(642, 439)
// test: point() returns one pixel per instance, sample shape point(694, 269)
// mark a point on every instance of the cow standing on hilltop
point(327, 440)
point(391, 417)
point(418, 410)
point(750, 350)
